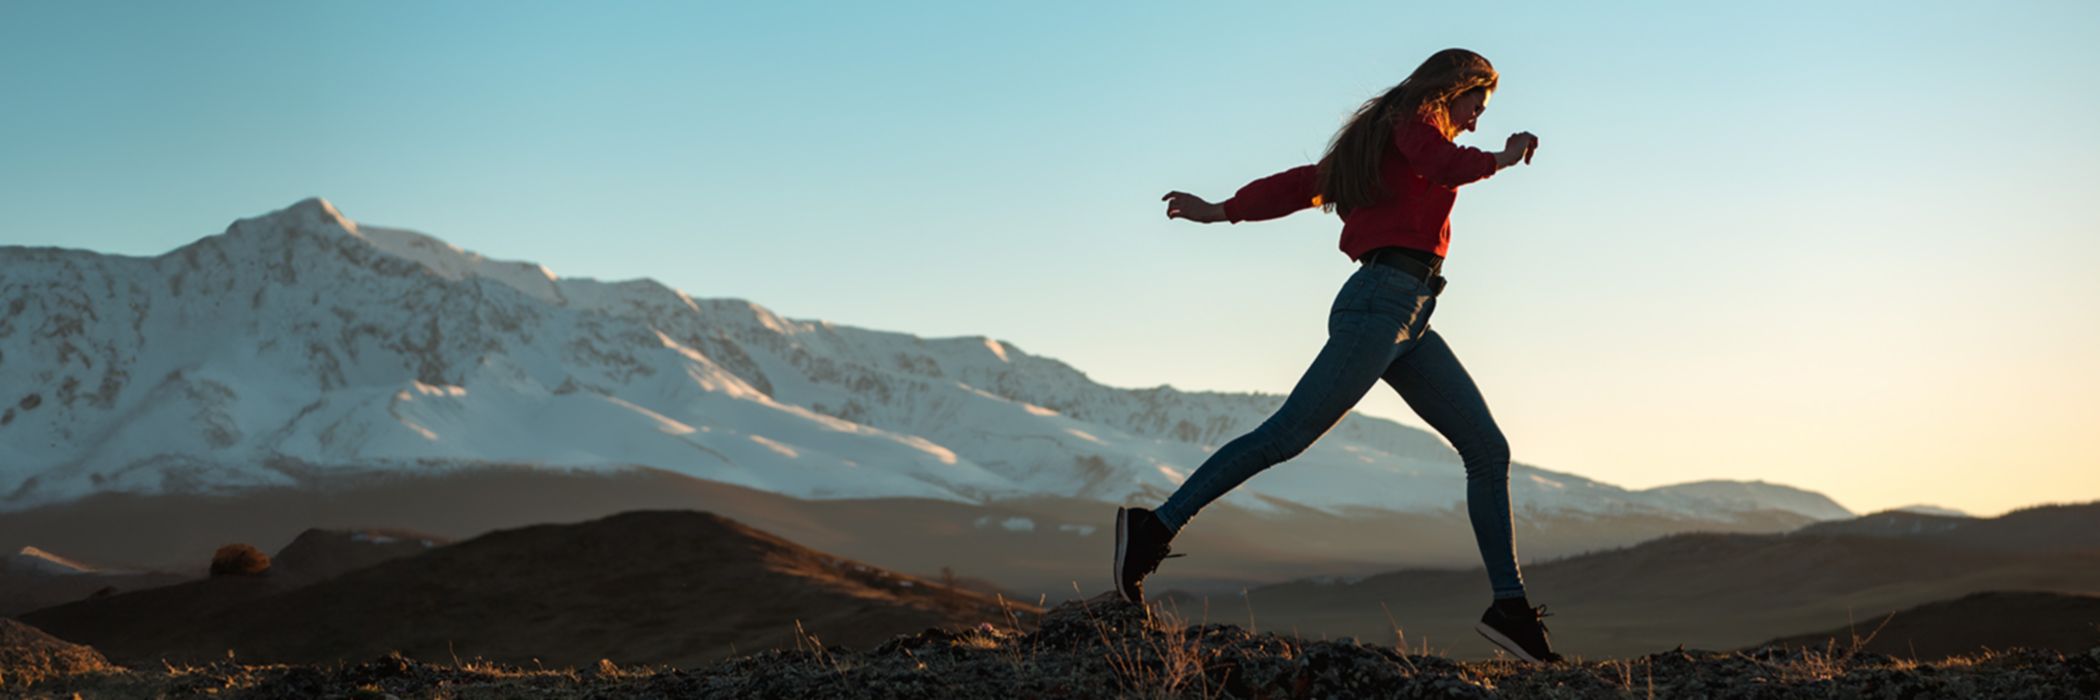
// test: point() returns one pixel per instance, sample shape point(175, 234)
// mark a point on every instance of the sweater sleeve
point(1275, 196)
point(1437, 159)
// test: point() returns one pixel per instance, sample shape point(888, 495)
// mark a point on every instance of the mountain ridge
point(303, 337)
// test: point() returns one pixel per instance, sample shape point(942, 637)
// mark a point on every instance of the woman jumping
point(1392, 174)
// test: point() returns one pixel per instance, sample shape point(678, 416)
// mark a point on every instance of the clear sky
point(1845, 246)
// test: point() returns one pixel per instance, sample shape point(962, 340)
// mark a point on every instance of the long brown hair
point(1349, 171)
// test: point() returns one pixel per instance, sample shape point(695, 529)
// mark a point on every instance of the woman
point(1392, 174)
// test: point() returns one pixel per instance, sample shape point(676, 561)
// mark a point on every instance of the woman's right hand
point(1188, 206)
point(1517, 149)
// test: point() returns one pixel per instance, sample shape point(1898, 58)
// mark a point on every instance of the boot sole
point(1504, 641)
point(1122, 545)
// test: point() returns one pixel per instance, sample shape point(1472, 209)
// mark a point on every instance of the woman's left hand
point(1188, 206)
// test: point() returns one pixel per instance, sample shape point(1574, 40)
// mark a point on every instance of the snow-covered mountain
point(302, 341)
point(1751, 495)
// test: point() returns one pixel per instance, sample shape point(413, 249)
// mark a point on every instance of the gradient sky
point(1850, 247)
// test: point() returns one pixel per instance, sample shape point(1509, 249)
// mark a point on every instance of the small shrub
point(239, 560)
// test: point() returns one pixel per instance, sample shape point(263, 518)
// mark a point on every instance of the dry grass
point(1400, 641)
point(1162, 665)
point(1829, 662)
point(1012, 652)
point(1626, 685)
point(807, 642)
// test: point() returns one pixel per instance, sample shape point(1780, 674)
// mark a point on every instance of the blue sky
point(1842, 247)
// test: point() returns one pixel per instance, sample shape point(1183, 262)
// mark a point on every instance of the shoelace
point(1156, 562)
point(1541, 614)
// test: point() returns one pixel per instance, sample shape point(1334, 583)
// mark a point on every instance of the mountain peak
point(311, 216)
point(314, 212)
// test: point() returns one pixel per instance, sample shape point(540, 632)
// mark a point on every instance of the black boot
point(1519, 629)
point(1141, 544)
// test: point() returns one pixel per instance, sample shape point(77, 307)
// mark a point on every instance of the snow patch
point(426, 433)
point(439, 389)
point(776, 447)
point(1011, 524)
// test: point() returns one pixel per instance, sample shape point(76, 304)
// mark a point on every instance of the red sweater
point(1422, 172)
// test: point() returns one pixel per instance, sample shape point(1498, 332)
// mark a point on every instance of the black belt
point(1419, 264)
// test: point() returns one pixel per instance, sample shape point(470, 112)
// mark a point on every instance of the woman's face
point(1467, 107)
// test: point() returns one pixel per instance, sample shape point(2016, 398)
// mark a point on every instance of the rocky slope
point(1103, 649)
point(28, 656)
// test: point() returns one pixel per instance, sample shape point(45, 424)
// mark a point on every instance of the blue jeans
point(1379, 329)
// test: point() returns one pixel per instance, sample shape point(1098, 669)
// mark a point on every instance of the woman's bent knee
point(1486, 457)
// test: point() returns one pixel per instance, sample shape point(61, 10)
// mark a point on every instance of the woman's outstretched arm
point(1438, 160)
point(1271, 197)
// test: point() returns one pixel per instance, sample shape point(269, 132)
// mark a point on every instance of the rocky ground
point(1103, 648)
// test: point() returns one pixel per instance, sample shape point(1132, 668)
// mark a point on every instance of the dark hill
point(1069, 540)
point(319, 554)
point(33, 577)
point(314, 555)
point(2047, 528)
point(20, 592)
point(652, 587)
point(1708, 591)
point(1992, 620)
